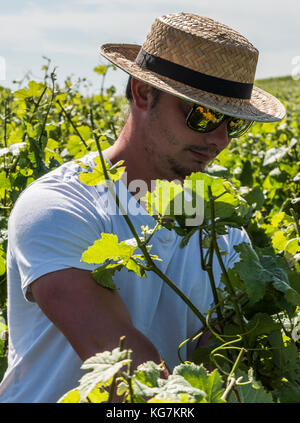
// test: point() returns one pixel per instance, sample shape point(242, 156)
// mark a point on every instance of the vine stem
point(218, 253)
point(71, 122)
point(296, 221)
point(48, 109)
point(35, 109)
point(157, 226)
point(229, 388)
point(112, 387)
point(129, 377)
point(116, 198)
point(5, 145)
point(38, 103)
point(208, 268)
point(150, 264)
point(171, 284)
point(227, 279)
point(231, 380)
point(230, 289)
point(30, 121)
point(5, 124)
point(237, 361)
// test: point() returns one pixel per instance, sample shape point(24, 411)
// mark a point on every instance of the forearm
point(107, 336)
point(142, 348)
point(91, 317)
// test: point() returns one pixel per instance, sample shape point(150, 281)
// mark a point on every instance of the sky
point(69, 33)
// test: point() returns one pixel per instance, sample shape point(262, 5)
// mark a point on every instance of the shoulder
point(58, 203)
point(61, 181)
point(53, 222)
point(60, 189)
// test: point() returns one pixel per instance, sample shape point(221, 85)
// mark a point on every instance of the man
point(58, 315)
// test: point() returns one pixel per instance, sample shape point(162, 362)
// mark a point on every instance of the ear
point(141, 94)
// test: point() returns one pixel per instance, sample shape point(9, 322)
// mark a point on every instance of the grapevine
point(253, 355)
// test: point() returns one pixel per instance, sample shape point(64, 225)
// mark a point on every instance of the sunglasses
point(203, 119)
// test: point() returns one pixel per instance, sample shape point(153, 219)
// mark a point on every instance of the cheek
point(172, 140)
point(170, 136)
point(149, 149)
point(166, 129)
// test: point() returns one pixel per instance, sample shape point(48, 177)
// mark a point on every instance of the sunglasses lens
point(203, 119)
point(237, 127)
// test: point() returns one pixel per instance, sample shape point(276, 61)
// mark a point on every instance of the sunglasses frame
point(224, 118)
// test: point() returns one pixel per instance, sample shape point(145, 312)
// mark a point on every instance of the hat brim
point(261, 107)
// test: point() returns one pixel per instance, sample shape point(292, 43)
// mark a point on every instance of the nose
point(218, 137)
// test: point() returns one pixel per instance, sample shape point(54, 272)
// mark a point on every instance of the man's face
point(174, 149)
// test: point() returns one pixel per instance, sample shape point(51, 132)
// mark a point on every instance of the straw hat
point(201, 60)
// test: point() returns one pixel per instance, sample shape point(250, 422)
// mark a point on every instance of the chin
point(183, 172)
point(179, 170)
point(200, 167)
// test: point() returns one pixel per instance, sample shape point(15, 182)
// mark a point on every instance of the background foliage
point(44, 125)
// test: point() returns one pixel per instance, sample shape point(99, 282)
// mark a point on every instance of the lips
point(202, 156)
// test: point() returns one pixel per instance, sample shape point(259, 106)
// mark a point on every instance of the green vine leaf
point(96, 176)
point(108, 248)
point(200, 378)
point(97, 395)
point(165, 200)
point(148, 373)
point(176, 385)
point(104, 366)
point(255, 281)
point(261, 324)
point(252, 392)
point(71, 397)
point(34, 89)
point(192, 201)
point(103, 275)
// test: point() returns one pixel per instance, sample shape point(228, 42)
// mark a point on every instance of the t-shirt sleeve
point(49, 229)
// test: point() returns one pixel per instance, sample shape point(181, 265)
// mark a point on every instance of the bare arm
point(91, 317)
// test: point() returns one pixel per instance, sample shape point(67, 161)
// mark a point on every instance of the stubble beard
point(168, 167)
point(181, 171)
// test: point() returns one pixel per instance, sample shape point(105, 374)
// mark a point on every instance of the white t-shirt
point(54, 220)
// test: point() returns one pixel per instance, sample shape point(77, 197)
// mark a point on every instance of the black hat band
point(193, 78)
